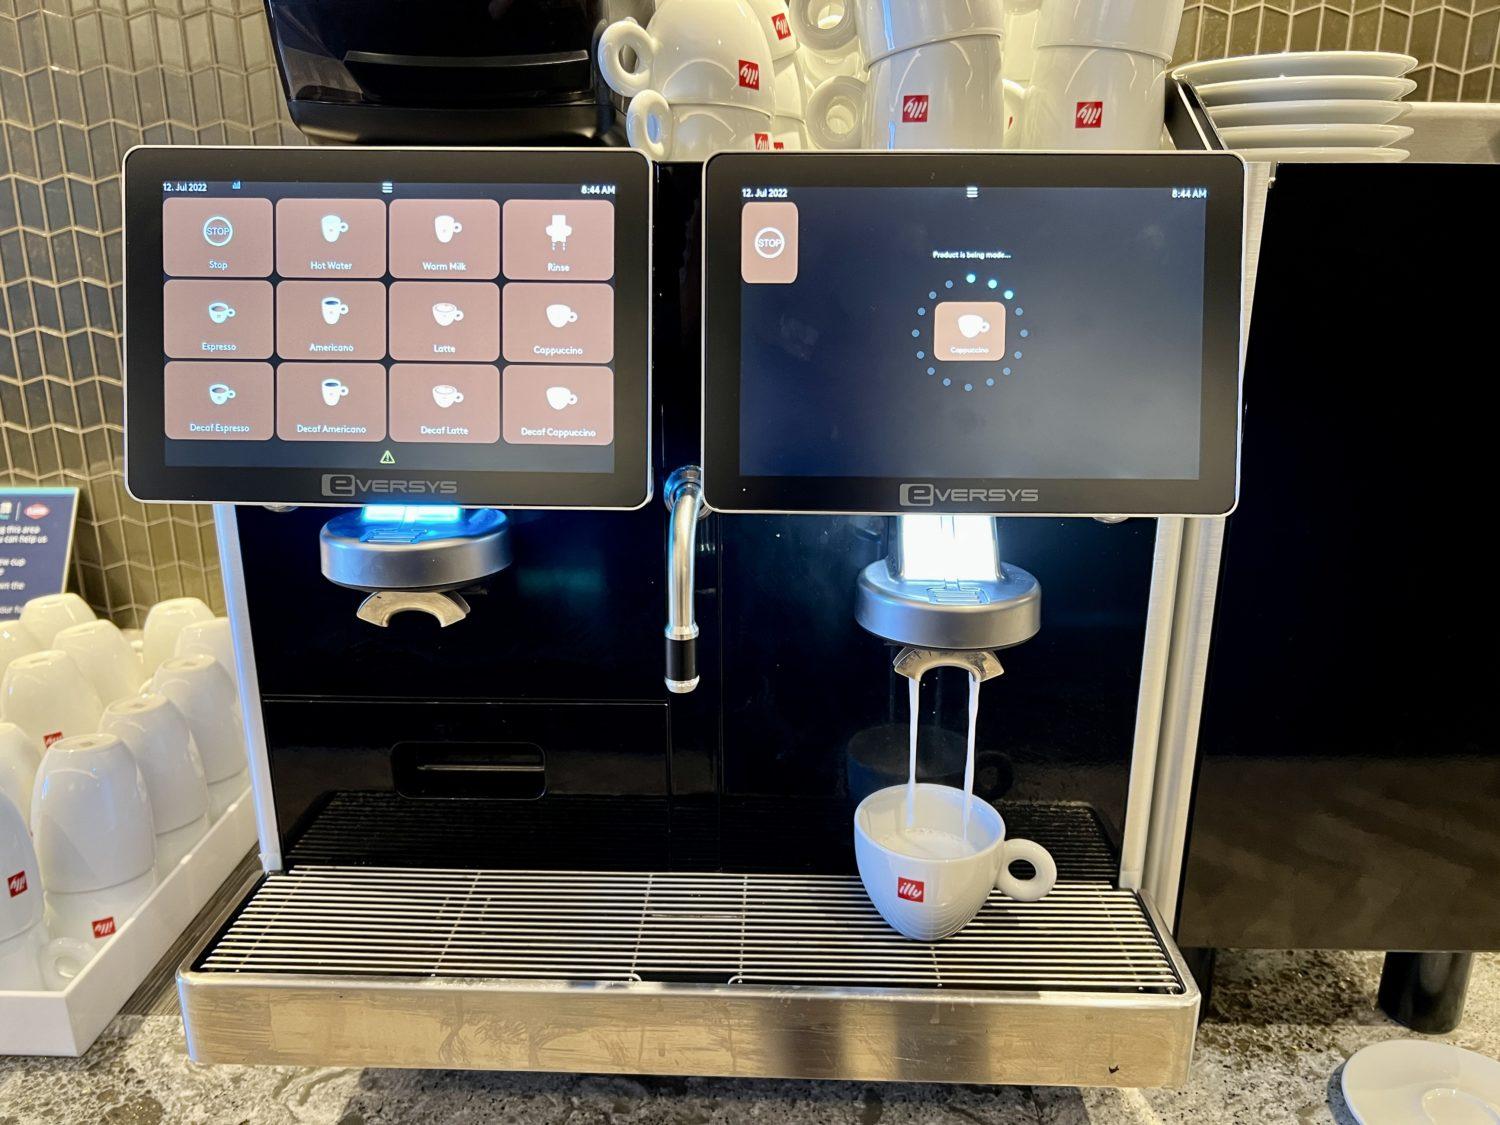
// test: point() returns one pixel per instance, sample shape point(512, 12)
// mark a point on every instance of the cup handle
point(825, 39)
point(646, 106)
point(618, 37)
point(62, 959)
point(840, 89)
point(1027, 890)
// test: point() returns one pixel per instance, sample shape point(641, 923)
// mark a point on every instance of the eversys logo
point(921, 494)
point(346, 486)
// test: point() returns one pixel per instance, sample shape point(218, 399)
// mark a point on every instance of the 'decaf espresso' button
point(330, 320)
point(559, 405)
point(445, 403)
point(768, 243)
point(559, 323)
point(330, 402)
point(968, 331)
point(224, 319)
point(560, 239)
point(216, 237)
point(330, 237)
point(445, 238)
point(445, 320)
point(209, 401)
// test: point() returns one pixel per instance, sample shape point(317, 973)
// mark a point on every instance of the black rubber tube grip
point(682, 660)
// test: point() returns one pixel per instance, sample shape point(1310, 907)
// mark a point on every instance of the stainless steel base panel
point(787, 976)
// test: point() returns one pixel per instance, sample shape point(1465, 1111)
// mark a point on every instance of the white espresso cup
point(333, 227)
point(14, 641)
point(200, 690)
point(214, 637)
point(883, 28)
point(944, 95)
point(28, 960)
point(710, 52)
point(333, 309)
point(689, 131)
point(163, 624)
point(1147, 27)
point(333, 391)
point(47, 695)
point(50, 614)
point(929, 873)
point(157, 737)
point(1093, 98)
point(101, 650)
point(18, 762)
point(95, 842)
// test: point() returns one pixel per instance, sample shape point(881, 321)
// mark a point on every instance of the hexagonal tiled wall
point(83, 80)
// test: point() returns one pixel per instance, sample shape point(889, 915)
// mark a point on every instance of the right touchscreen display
point(1038, 334)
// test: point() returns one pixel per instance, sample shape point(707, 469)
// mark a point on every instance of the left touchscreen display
point(323, 326)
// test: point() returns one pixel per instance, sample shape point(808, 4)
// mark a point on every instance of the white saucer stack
point(1307, 105)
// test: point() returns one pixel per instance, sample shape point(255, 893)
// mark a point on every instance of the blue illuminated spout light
point(412, 513)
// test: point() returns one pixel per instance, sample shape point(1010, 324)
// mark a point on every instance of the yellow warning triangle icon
point(387, 459)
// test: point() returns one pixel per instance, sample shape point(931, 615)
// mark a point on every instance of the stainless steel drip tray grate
point(706, 928)
point(685, 973)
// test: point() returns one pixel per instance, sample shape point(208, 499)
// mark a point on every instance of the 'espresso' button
point(208, 401)
point(217, 319)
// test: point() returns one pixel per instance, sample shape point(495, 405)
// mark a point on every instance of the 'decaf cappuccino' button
point(768, 243)
point(208, 401)
point(968, 331)
point(559, 405)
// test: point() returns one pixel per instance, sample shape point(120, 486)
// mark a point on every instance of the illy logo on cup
point(913, 890)
point(103, 927)
point(16, 884)
point(914, 108)
point(762, 142)
point(781, 25)
point(749, 74)
point(1088, 115)
point(52, 736)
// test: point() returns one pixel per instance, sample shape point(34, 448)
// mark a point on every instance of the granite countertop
point(1281, 1025)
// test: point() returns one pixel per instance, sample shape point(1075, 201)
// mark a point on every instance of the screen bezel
point(1214, 492)
point(149, 478)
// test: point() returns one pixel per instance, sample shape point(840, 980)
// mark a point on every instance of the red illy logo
point(37, 511)
point(749, 74)
point(103, 927)
point(762, 142)
point(914, 108)
point(1088, 115)
point(913, 890)
point(16, 884)
point(49, 739)
point(783, 28)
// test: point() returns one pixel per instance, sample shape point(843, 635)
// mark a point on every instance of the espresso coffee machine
point(503, 822)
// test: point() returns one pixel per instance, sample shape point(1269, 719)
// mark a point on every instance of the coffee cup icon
point(446, 312)
point(333, 391)
point(445, 395)
point(560, 315)
point(333, 226)
point(219, 312)
point(972, 324)
point(560, 398)
point(333, 308)
point(220, 393)
point(445, 227)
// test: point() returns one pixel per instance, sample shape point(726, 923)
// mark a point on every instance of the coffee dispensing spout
point(684, 498)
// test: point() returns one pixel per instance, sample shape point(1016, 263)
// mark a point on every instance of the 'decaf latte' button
point(208, 401)
point(445, 403)
point(219, 319)
point(445, 320)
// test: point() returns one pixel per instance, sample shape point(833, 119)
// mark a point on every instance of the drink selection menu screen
point(952, 332)
point(428, 326)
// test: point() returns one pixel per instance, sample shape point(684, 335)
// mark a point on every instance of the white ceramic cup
point(776, 22)
point(48, 615)
point(786, 82)
point(213, 637)
point(91, 816)
point(47, 695)
point(1093, 98)
point(711, 52)
point(14, 641)
point(157, 737)
point(945, 95)
point(18, 762)
point(93, 917)
point(21, 889)
point(883, 28)
point(200, 690)
point(688, 131)
point(163, 624)
point(105, 656)
point(30, 962)
point(929, 876)
point(1147, 27)
point(819, 65)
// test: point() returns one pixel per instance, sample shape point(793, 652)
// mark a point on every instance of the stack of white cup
point(29, 959)
point(788, 130)
point(120, 760)
point(702, 80)
point(1098, 80)
point(934, 80)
